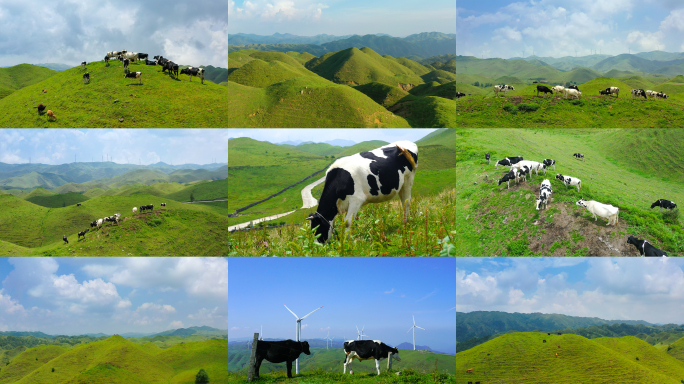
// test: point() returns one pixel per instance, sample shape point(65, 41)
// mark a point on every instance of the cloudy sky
point(323, 135)
point(398, 18)
point(73, 296)
point(556, 28)
point(72, 31)
point(123, 146)
point(630, 288)
point(379, 293)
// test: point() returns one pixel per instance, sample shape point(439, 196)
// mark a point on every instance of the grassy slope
point(523, 357)
point(429, 111)
point(159, 102)
point(28, 361)
point(57, 201)
point(608, 168)
point(383, 94)
point(20, 76)
point(201, 191)
point(33, 179)
point(259, 73)
point(187, 358)
point(187, 229)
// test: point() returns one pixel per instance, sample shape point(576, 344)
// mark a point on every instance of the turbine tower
point(326, 340)
point(414, 331)
point(360, 334)
point(261, 334)
point(299, 330)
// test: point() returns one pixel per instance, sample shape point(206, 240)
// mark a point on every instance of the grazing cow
point(86, 78)
point(40, 108)
point(190, 71)
point(460, 94)
point(51, 115)
point(147, 62)
point(279, 351)
point(509, 161)
point(511, 175)
point(134, 75)
point(548, 333)
point(78, 204)
point(543, 88)
point(638, 92)
point(544, 341)
point(126, 62)
point(469, 370)
point(502, 88)
point(368, 349)
point(367, 177)
point(135, 209)
point(548, 163)
point(662, 95)
point(556, 354)
point(578, 156)
point(606, 211)
point(604, 93)
point(662, 203)
point(163, 204)
point(132, 56)
point(532, 165)
point(82, 234)
point(544, 193)
point(146, 207)
point(573, 87)
point(93, 224)
point(572, 93)
point(65, 239)
point(522, 172)
point(645, 248)
point(569, 180)
point(142, 56)
point(487, 156)
point(614, 90)
point(172, 68)
point(106, 60)
point(99, 222)
point(83, 65)
point(559, 89)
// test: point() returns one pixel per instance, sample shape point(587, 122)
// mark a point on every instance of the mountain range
point(201, 330)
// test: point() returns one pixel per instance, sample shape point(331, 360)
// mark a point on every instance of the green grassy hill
point(20, 76)
point(383, 94)
point(201, 191)
point(32, 180)
point(499, 221)
point(178, 229)
point(28, 361)
point(523, 357)
point(160, 101)
point(57, 201)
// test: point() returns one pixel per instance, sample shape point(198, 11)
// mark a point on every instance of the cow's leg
point(377, 365)
point(352, 210)
point(289, 369)
point(257, 364)
point(405, 196)
point(346, 358)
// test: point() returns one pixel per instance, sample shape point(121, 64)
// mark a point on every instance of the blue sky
point(630, 288)
point(398, 18)
point(73, 296)
point(556, 28)
point(378, 293)
point(147, 146)
point(322, 135)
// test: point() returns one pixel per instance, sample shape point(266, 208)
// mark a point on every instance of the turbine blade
point(297, 317)
point(420, 328)
point(311, 312)
point(410, 329)
point(414, 319)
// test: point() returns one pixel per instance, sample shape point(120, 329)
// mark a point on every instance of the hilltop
point(20, 76)
point(159, 101)
point(499, 221)
point(524, 357)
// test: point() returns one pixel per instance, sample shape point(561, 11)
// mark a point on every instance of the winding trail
point(308, 201)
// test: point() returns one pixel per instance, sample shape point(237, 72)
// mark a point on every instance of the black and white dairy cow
point(366, 177)
point(488, 156)
point(548, 163)
point(366, 350)
point(279, 351)
point(509, 161)
point(570, 181)
point(578, 156)
point(502, 88)
point(544, 194)
point(638, 92)
point(662, 203)
point(460, 94)
point(512, 175)
point(644, 247)
point(134, 75)
point(86, 78)
point(190, 71)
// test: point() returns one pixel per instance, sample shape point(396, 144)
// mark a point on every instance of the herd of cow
point(519, 168)
point(574, 92)
point(112, 219)
point(288, 351)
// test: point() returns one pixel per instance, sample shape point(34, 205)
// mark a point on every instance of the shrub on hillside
point(202, 377)
point(522, 107)
point(519, 247)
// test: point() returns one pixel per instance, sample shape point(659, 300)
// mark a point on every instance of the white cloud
point(507, 33)
point(390, 291)
point(176, 324)
point(674, 21)
point(9, 306)
point(648, 41)
point(277, 10)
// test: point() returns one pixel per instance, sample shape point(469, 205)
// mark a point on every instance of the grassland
point(522, 108)
point(629, 169)
point(116, 360)
point(20, 76)
point(178, 229)
point(523, 357)
point(160, 101)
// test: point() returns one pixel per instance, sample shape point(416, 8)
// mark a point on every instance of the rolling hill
point(500, 221)
point(523, 357)
point(113, 102)
point(20, 76)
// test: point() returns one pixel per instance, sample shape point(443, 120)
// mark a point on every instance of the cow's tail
point(407, 155)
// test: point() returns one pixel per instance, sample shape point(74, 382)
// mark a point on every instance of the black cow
point(508, 177)
point(460, 94)
point(106, 60)
point(126, 62)
point(487, 156)
point(172, 68)
point(509, 161)
point(543, 88)
point(544, 341)
point(82, 234)
point(148, 62)
point(83, 65)
point(78, 204)
point(548, 333)
point(604, 93)
point(366, 350)
point(142, 56)
point(644, 247)
point(65, 239)
point(163, 204)
point(86, 78)
point(144, 207)
point(366, 177)
point(578, 156)
point(134, 75)
point(559, 333)
point(279, 351)
point(41, 108)
point(662, 203)
point(573, 87)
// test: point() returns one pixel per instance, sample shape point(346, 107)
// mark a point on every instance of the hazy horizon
point(322, 135)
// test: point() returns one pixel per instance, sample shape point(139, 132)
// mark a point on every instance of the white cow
point(135, 209)
point(367, 177)
point(532, 165)
point(606, 211)
point(572, 93)
point(502, 88)
point(650, 93)
point(559, 88)
point(569, 180)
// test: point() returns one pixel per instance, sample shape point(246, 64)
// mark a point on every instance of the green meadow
point(627, 168)
point(111, 101)
point(348, 88)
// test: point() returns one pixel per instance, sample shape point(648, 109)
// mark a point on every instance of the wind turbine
point(414, 331)
point(331, 342)
point(360, 334)
point(299, 330)
point(326, 340)
point(261, 334)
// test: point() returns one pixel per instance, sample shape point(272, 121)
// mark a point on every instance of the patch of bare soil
point(401, 109)
point(405, 87)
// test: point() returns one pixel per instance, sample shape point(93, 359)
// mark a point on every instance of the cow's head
point(581, 203)
point(633, 240)
point(305, 347)
point(655, 204)
point(323, 226)
point(560, 177)
point(395, 353)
